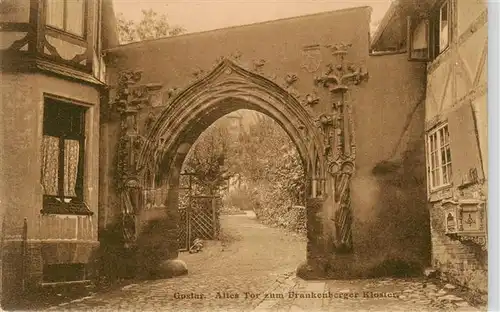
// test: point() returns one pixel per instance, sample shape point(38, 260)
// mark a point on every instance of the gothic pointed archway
point(227, 88)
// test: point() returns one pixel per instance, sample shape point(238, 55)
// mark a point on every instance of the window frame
point(433, 28)
point(436, 29)
point(85, 15)
point(60, 203)
point(440, 20)
point(436, 133)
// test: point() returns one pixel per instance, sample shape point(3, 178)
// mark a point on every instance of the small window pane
point(435, 178)
point(445, 175)
point(74, 19)
point(446, 134)
point(448, 154)
point(443, 157)
point(55, 13)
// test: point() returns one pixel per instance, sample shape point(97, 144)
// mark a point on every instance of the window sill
point(440, 193)
point(54, 31)
point(52, 206)
point(440, 188)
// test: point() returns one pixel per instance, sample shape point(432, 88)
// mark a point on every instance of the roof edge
point(395, 6)
point(139, 43)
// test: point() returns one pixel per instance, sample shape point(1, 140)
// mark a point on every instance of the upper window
point(444, 31)
point(439, 157)
point(429, 37)
point(63, 158)
point(66, 15)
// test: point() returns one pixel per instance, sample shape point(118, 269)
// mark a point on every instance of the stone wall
point(389, 211)
point(458, 262)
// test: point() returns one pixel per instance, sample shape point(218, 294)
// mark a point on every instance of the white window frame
point(442, 48)
point(438, 141)
point(65, 28)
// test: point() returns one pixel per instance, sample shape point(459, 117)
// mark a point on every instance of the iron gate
point(199, 214)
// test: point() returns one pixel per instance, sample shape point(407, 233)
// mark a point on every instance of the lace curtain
point(74, 21)
point(55, 13)
point(50, 165)
point(71, 155)
point(74, 15)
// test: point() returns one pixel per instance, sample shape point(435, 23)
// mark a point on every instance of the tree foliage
point(206, 160)
point(266, 162)
point(151, 26)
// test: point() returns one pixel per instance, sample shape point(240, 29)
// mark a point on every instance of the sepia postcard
point(244, 155)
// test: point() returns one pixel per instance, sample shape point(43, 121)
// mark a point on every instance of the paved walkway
point(253, 261)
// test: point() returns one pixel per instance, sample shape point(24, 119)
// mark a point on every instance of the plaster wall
point(22, 130)
point(388, 188)
point(456, 94)
point(177, 62)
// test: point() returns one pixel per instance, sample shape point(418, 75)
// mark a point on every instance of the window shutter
point(464, 146)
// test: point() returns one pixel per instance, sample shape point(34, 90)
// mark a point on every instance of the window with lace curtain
point(63, 158)
point(66, 15)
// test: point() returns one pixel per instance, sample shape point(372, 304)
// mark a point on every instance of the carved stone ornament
point(130, 98)
point(338, 132)
point(258, 64)
point(311, 58)
point(339, 48)
point(290, 79)
point(170, 93)
point(311, 99)
point(198, 73)
point(236, 56)
point(464, 220)
point(150, 120)
point(337, 78)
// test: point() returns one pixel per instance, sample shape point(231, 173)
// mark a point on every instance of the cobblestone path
point(253, 260)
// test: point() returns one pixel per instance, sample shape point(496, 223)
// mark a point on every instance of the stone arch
point(227, 88)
